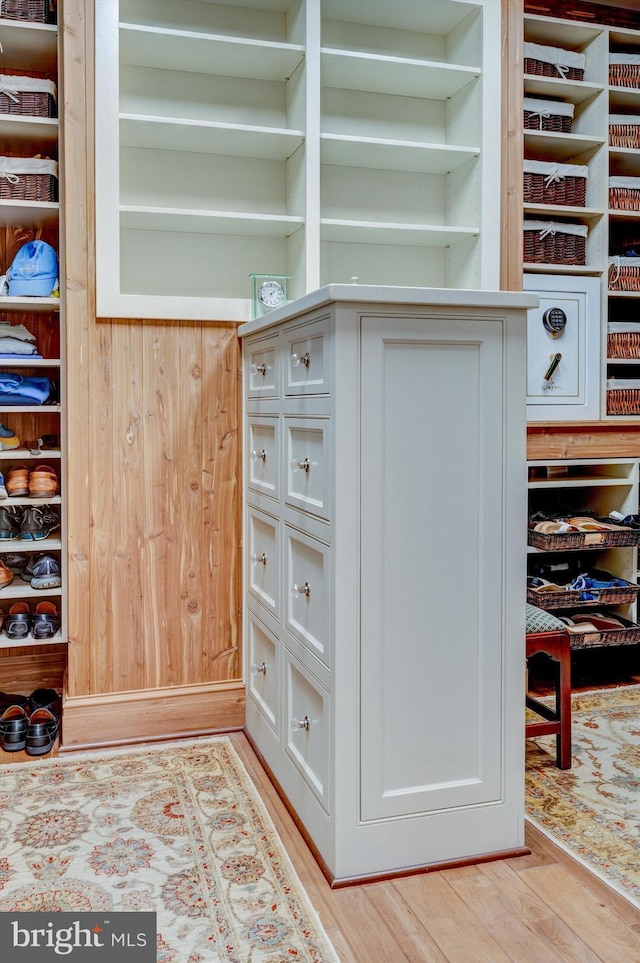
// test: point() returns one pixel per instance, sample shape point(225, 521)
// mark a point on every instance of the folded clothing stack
point(15, 339)
point(18, 390)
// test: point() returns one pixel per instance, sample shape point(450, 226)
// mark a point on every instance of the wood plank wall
point(153, 479)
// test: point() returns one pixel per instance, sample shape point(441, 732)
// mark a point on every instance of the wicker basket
point(629, 634)
point(623, 340)
point(624, 70)
point(552, 242)
point(583, 541)
point(623, 396)
point(542, 61)
point(38, 11)
point(551, 115)
point(28, 179)
point(548, 183)
point(619, 595)
point(27, 96)
point(624, 130)
point(624, 193)
point(624, 273)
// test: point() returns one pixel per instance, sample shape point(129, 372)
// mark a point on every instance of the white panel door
point(432, 633)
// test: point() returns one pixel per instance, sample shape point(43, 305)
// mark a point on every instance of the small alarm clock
point(270, 291)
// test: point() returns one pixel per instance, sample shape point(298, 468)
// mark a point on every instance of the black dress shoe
point(45, 699)
point(14, 723)
point(13, 699)
point(42, 732)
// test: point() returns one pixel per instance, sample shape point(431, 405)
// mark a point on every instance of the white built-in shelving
point(319, 139)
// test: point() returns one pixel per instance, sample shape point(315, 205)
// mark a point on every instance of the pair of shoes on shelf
point(8, 440)
point(30, 723)
point(40, 482)
point(6, 574)
point(42, 623)
point(31, 522)
point(43, 572)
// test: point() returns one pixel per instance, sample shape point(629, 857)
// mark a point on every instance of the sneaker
point(38, 522)
point(3, 490)
point(44, 573)
point(7, 438)
point(10, 517)
point(15, 561)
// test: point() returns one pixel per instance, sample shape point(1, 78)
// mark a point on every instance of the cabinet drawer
point(307, 592)
point(308, 469)
point(263, 669)
point(263, 456)
point(261, 360)
point(307, 722)
point(263, 563)
point(307, 369)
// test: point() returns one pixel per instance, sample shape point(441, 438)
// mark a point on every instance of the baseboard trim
point(125, 718)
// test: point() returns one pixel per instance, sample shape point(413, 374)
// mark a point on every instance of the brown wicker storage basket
point(582, 541)
point(551, 115)
point(551, 242)
point(38, 11)
point(628, 634)
point(543, 61)
point(623, 339)
point(27, 96)
point(548, 183)
point(623, 397)
point(620, 595)
point(624, 193)
point(28, 179)
point(624, 273)
point(624, 70)
point(624, 130)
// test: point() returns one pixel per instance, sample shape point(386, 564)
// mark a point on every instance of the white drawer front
point(307, 721)
point(263, 456)
point(307, 604)
point(261, 359)
point(262, 681)
point(308, 469)
point(263, 563)
point(306, 362)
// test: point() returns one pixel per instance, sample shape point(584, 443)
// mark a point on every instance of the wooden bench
point(557, 721)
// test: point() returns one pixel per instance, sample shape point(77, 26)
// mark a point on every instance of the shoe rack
point(32, 447)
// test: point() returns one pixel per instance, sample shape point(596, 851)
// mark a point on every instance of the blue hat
point(34, 270)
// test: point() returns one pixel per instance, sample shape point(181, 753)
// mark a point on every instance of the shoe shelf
point(32, 48)
point(589, 488)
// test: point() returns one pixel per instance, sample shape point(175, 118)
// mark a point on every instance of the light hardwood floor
point(540, 908)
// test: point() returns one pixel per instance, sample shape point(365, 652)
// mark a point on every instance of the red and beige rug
point(592, 810)
point(178, 829)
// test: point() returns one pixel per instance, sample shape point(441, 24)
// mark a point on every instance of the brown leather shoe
point(6, 576)
point(17, 480)
point(43, 482)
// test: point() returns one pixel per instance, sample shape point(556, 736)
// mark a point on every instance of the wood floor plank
point(411, 932)
point(597, 925)
point(453, 927)
point(551, 935)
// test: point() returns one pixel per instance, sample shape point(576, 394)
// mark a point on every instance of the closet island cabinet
point(318, 139)
point(384, 584)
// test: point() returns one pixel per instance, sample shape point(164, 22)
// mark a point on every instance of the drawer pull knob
point(297, 724)
point(298, 465)
point(259, 369)
point(259, 455)
point(298, 359)
point(257, 669)
point(259, 559)
point(304, 589)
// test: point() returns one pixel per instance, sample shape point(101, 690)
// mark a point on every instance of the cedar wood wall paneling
point(153, 478)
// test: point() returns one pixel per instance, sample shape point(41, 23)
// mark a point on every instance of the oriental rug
point(592, 810)
point(177, 829)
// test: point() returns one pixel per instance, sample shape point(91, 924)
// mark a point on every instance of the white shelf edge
point(29, 304)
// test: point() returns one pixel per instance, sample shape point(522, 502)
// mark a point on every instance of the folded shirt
point(8, 330)
point(18, 390)
point(16, 346)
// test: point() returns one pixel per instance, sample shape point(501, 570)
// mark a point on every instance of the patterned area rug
point(591, 810)
point(178, 829)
